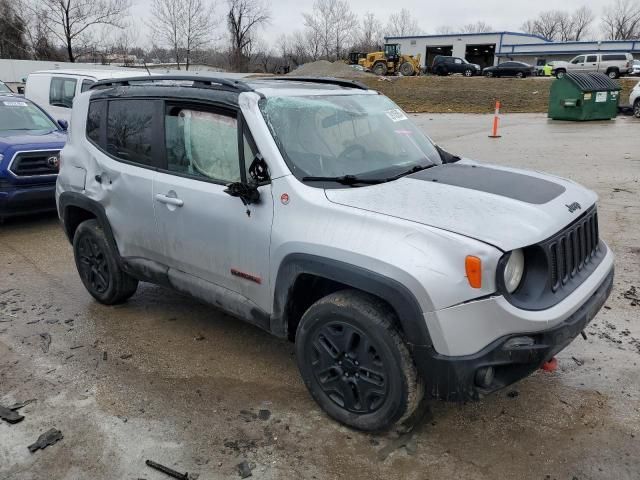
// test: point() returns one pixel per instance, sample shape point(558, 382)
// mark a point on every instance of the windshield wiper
point(345, 180)
point(414, 169)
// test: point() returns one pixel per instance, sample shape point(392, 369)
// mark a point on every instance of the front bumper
point(25, 199)
point(454, 377)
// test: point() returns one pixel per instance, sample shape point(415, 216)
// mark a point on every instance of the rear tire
point(97, 266)
point(380, 69)
point(407, 70)
point(354, 362)
point(613, 74)
point(488, 74)
point(636, 108)
point(519, 75)
point(468, 72)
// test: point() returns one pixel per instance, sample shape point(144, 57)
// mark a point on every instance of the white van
point(54, 90)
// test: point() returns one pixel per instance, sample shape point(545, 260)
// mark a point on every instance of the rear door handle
point(176, 202)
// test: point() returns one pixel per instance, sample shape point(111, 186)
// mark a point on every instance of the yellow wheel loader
point(390, 61)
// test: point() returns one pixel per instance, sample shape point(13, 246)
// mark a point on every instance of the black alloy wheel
point(348, 367)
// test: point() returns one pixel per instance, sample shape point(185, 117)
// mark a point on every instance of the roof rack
point(325, 80)
point(198, 82)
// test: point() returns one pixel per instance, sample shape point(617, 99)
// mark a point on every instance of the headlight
point(513, 270)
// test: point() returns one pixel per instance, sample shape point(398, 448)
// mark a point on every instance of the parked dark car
point(30, 144)
point(509, 69)
point(443, 65)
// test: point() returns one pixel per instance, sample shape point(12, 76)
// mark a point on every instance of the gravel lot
point(165, 378)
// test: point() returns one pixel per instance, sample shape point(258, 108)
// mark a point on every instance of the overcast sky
point(500, 14)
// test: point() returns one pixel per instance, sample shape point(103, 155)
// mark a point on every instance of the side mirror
point(248, 193)
point(64, 125)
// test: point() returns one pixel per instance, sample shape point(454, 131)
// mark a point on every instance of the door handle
point(176, 202)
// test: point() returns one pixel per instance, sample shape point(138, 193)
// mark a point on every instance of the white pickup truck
point(611, 64)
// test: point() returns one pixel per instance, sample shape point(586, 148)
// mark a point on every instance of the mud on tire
point(97, 266)
point(355, 363)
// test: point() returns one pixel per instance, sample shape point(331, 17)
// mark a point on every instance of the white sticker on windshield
point(396, 115)
point(15, 104)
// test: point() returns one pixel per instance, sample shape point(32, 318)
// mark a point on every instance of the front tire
point(407, 70)
point(636, 108)
point(97, 266)
point(380, 69)
point(354, 362)
point(519, 75)
point(613, 74)
point(468, 72)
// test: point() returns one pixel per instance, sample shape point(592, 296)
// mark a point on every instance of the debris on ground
point(45, 339)
point(406, 440)
point(169, 471)
point(247, 416)
point(578, 362)
point(19, 405)
point(47, 438)
point(324, 68)
point(9, 415)
point(513, 394)
point(264, 414)
point(632, 295)
point(126, 356)
point(244, 470)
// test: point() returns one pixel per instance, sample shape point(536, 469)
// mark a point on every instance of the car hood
point(18, 140)
point(504, 207)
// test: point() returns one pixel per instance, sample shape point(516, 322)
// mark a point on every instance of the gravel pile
point(324, 68)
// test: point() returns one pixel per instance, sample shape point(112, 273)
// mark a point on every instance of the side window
point(592, 59)
point(61, 92)
point(95, 119)
point(130, 130)
point(203, 144)
point(611, 58)
point(577, 60)
point(86, 85)
point(458, 61)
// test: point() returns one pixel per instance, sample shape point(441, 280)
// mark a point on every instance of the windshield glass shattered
point(346, 135)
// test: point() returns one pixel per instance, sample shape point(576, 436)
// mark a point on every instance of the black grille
point(571, 250)
point(27, 164)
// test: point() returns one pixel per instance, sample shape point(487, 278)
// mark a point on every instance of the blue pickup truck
point(30, 144)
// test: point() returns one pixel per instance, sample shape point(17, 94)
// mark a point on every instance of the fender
point(393, 292)
point(74, 199)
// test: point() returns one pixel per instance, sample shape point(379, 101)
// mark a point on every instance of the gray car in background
point(316, 210)
point(612, 64)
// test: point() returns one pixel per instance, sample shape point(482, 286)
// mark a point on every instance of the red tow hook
point(551, 365)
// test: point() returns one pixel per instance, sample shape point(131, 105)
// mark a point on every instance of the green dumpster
point(584, 96)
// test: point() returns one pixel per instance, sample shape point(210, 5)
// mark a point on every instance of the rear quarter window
point(95, 122)
point(130, 130)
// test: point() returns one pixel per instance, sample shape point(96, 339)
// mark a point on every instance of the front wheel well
point(307, 290)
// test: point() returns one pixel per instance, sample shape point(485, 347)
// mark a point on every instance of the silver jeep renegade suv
point(316, 210)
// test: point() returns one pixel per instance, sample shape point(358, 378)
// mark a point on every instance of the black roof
point(590, 82)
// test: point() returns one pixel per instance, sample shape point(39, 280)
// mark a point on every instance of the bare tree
point(621, 20)
point(166, 25)
point(560, 25)
point(13, 41)
point(582, 19)
point(444, 30)
point(371, 37)
point(244, 18)
point(332, 23)
point(184, 26)
point(402, 24)
point(71, 21)
point(477, 27)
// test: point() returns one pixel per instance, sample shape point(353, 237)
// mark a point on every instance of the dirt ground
point(163, 377)
point(457, 94)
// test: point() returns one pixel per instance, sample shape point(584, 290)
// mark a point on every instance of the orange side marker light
point(473, 267)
